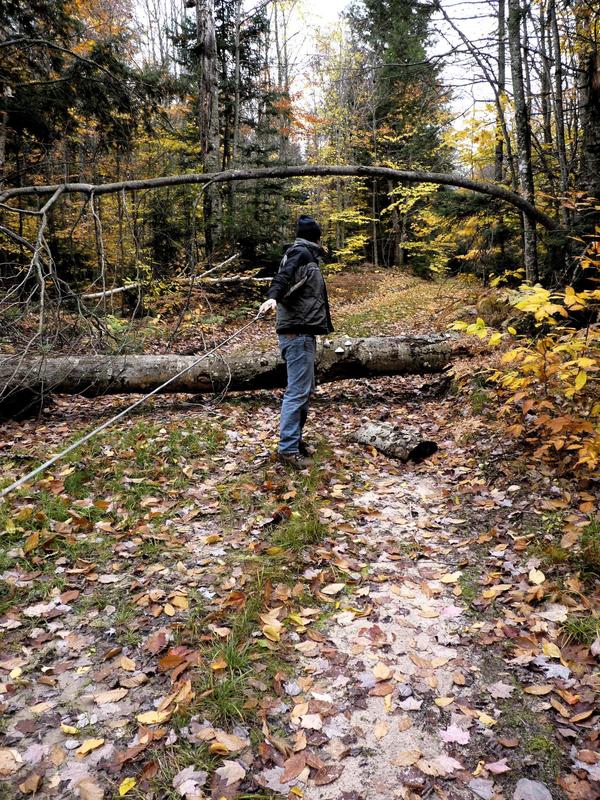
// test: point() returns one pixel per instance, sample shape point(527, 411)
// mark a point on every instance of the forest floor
point(184, 617)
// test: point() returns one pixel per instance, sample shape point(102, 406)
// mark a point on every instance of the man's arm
point(285, 277)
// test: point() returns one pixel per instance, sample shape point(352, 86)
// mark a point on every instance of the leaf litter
point(210, 625)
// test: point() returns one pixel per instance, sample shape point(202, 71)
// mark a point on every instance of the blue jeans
point(298, 352)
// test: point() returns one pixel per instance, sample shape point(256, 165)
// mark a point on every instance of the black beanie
point(308, 228)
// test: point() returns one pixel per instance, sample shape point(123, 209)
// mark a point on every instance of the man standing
point(299, 295)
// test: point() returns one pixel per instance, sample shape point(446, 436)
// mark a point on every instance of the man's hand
point(267, 307)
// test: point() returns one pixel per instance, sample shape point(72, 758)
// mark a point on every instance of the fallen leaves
point(111, 696)
point(536, 577)
point(90, 790)
point(407, 758)
point(10, 761)
point(381, 671)
point(126, 786)
point(88, 746)
point(455, 734)
point(154, 717)
point(333, 588)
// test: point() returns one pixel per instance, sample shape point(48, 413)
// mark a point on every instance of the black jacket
point(300, 291)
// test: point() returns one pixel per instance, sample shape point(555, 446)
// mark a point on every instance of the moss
point(535, 735)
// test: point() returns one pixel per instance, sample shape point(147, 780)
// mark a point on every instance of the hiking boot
point(306, 450)
point(294, 460)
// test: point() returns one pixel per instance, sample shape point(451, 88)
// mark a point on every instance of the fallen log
point(110, 292)
point(344, 358)
point(405, 443)
point(237, 279)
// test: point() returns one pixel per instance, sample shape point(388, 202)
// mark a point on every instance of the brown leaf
point(328, 774)
point(30, 784)
point(539, 689)
point(88, 790)
point(112, 696)
point(156, 641)
point(407, 758)
point(293, 767)
point(404, 723)
point(381, 689)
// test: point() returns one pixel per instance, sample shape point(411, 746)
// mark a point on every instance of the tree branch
point(279, 173)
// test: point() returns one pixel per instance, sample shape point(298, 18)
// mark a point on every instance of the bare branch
point(279, 173)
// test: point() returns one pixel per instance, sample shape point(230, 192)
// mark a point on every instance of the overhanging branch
point(280, 173)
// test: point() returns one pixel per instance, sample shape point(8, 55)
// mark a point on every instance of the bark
point(545, 93)
point(208, 114)
point(559, 113)
point(589, 92)
point(407, 444)
point(109, 292)
point(278, 173)
point(523, 133)
point(239, 371)
point(501, 94)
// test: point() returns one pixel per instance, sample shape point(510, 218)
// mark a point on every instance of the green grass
point(583, 557)
point(590, 547)
point(302, 529)
point(583, 629)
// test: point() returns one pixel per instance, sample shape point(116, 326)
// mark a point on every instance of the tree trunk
point(523, 131)
point(589, 93)
point(208, 115)
point(499, 148)
point(559, 113)
point(242, 371)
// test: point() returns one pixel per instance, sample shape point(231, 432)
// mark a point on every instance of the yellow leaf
point(451, 577)
point(31, 542)
point(69, 729)
point(272, 632)
point(485, 719)
point(153, 717)
point(218, 749)
point(551, 650)
point(88, 746)
point(536, 577)
point(219, 663)
point(381, 671)
point(442, 702)
point(126, 786)
point(580, 380)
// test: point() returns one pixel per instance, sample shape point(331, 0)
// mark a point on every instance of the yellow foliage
point(549, 384)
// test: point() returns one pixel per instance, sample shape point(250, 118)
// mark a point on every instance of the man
point(299, 295)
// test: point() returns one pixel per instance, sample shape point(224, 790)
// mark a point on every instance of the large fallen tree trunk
point(239, 371)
